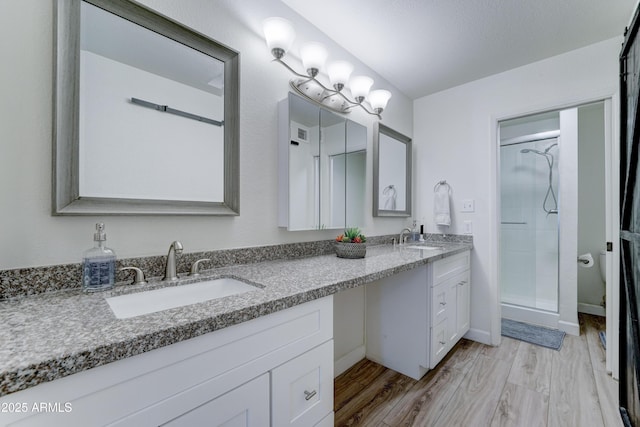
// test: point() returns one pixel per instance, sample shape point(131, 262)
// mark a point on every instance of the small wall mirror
point(322, 167)
point(146, 114)
point(391, 173)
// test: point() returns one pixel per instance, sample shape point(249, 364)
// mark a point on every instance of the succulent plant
point(352, 235)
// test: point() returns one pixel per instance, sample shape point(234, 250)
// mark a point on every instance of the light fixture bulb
point(313, 55)
point(360, 86)
point(339, 73)
point(279, 35)
point(378, 99)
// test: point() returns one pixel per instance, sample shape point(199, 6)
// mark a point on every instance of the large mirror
point(146, 114)
point(322, 167)
point(391, 173)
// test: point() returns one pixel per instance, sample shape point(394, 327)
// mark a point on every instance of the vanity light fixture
point(279, 34)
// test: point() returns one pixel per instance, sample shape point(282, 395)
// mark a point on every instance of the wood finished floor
point(515, 384)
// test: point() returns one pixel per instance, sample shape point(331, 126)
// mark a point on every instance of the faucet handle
point(139, 278)
point(195, 267)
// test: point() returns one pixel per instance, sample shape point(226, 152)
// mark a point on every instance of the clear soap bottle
point(98, 264)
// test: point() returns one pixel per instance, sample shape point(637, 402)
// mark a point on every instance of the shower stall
point(529, 230)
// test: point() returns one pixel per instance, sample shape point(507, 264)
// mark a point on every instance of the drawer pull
point(443, 303)
point(308, 395)
point(462, 283)
point(442, 343)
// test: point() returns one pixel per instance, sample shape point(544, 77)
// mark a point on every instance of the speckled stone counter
point(53, 335)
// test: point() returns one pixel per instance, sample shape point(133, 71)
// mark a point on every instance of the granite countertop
point(52, 335)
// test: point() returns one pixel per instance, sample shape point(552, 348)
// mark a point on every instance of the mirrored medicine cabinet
point(322, 167)
point(145, 114)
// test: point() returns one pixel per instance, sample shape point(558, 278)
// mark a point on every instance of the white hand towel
point(441, 206)
point(389, 194)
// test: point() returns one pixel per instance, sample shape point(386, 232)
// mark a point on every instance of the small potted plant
point(351, 244)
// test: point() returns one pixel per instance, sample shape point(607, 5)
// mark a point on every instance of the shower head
point(542, 153)
point(531, 150)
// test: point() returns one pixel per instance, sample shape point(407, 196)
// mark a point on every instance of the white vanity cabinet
point(415, 317)
point(257, 373)
point(450, 312)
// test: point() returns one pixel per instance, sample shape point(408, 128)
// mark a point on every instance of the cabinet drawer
point(246, 406)
point(440, 299)
point(446, 268)
point(444, 297)
point(302, 389)
point(439, 343)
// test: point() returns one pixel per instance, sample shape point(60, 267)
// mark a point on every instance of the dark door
point(630, 227)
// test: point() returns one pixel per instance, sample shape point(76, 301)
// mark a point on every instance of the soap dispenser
point(98, 264)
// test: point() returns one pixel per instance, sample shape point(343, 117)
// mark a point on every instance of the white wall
point(30, 236)
point(591, 201)
point(455, 134)
point(172, 157)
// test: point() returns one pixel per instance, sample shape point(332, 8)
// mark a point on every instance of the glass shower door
point(529, 224)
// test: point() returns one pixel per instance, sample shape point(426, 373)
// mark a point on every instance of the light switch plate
point(468, 205)
point(467, 227)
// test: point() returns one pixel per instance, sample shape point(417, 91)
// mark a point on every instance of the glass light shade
point(313, 56)
point(379, 98)
point(339, 72)
point(278, 33)
point(360, 86)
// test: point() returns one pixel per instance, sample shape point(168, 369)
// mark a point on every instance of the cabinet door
point(463, 307)
point(247, 405)
point(452, 313)
point(302, 389)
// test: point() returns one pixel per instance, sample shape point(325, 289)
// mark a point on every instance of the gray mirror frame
point(65, 184)
point(382, 129)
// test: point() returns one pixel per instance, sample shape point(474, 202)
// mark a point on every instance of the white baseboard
point(596, 310)
point(478, 335)
point(531, 315)
point(348, 360)
point(569, 327)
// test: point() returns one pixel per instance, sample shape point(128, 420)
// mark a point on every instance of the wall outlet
point(468, 205)
point(467, 227)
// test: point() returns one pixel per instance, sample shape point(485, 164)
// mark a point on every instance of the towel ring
point(439, 183)
point(389, 189)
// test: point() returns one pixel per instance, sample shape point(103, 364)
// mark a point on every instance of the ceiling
point(425, 46)
point(110, 36)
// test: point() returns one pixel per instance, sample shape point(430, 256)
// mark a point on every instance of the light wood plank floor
point(515, 384)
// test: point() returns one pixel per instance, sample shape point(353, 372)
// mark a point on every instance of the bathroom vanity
point(414, 318)
point(262, 357)
point(280, 364)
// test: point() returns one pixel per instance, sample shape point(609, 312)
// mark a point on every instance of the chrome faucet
point(401, 242)
point(170, 267)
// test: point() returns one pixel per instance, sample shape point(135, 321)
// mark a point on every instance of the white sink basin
point(137, 304)
point(424, 248)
